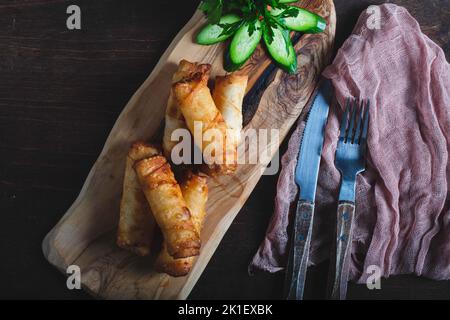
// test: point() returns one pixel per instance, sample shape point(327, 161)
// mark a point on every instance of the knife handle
point(300, 244)
point(344, 234)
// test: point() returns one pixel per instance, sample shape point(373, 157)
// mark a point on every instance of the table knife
point(306, 174)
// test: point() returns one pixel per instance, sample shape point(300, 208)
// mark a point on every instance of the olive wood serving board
point(85, 236)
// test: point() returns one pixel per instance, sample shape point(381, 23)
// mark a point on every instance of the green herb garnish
point(269, 15)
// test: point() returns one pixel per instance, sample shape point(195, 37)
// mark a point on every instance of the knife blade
point(306, 174)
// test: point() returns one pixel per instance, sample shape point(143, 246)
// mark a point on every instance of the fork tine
point(366, 122)
point(344, 119)
point(350, 133)
point(359, 120)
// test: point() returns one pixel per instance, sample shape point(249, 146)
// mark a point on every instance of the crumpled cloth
point(402, 220)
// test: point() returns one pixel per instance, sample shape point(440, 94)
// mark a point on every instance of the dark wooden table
point(60, 94)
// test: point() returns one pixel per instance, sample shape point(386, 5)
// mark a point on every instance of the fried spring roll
point(229, 92)
point(136, 222)
point(198, 108)
point(174, 119)
point(195, 192)
point(168, 206)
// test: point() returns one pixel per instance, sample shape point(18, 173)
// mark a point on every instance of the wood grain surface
point(85, 236)
point(61, 92)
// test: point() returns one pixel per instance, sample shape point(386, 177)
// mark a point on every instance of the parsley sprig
point(269, 20)
point(250, 10)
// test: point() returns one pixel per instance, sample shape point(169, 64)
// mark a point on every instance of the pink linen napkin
point(402, 222)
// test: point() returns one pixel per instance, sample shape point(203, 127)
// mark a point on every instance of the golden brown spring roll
point(228, 95)
point(136, 222)
point(197, 106)
point(174, 119)
point(195, 192)
point(168, 206)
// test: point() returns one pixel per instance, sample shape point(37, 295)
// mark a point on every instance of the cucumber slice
point(211, 33)
point(229, 65)
point(305, 21)
point(242, 46)
point(281, 49)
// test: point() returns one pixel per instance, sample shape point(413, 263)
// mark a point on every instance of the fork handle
point(299, 255)
point(344, 233)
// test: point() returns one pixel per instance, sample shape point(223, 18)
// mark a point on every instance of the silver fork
point(350, 160)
